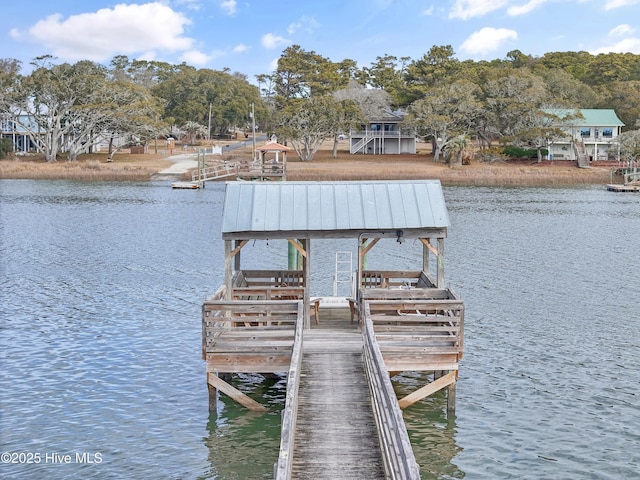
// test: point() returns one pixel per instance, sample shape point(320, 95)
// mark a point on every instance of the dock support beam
point(234, 393)
point(431, 388)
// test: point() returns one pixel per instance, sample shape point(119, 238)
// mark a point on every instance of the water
point(101, 286)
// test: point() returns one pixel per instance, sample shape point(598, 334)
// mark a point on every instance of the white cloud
point(466, 9)
point(195, 57)
point(190, 4)
point(487, 40)
point(613, 4)
point(628, 45)
point(271, 40)
point(15, 34)
point(428, 11)
point(308, 24)
point(125, 29)
point(229, 6)
point(621, 30)
point(240, 48)
point(526, 8)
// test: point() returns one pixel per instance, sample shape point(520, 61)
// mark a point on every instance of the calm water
point(100, 293)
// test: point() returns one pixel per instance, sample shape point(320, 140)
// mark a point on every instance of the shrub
point(5, 147)
point(491, 155)
point(512, 151)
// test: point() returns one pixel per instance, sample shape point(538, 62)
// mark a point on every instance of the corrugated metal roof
point(333, 206)
point(593, 117)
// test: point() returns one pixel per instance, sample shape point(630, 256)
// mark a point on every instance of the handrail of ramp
point(282, 469)
point(397, 454)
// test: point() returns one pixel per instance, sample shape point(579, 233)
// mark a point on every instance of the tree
point(624, 98)
point(511, 98)
point(386, 74)
point(41, 102)
point(373, 102)
point(146, 73)
point(308, 122)
point(268, 90)
point(456, 148)
point(629, 144)
point(541, 132)
point(71, 107)
point(9, 72)
point(190, 95)
point(564, 90)
point(194, 130)
point(303, 74)
point(434, 68)
point(446, 112)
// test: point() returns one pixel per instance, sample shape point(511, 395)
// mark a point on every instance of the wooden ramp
point(336, 433)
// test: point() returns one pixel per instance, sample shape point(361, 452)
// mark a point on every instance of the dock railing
point(397, 455)
point(418, 333)
point(282, 469)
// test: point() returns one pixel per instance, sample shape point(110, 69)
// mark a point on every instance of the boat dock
point(623, 188)
point(341, 417)
point(631, 180)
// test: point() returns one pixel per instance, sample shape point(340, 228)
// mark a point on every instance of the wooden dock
point(623, 188)
point(335, 431)
point(341, 417)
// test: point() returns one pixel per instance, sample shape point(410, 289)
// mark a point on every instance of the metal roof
point(339, 209)
point(593, 117)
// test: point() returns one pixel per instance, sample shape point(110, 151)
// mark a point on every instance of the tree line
point(310, 98)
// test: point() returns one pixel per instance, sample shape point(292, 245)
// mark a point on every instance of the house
point(17, 130)
point(17, 134)
point(590, 138)
point(383, 136)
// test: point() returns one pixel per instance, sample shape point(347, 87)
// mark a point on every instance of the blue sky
point(248, 36)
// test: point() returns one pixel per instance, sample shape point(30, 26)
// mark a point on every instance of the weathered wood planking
point(250, 336)
point(399, 460)
point(335, 433)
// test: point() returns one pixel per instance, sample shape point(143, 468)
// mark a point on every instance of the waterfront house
point(20, 128)
point(591, 136)
point(383, 135)
point(12, 129)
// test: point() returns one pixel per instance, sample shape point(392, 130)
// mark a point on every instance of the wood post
point(451, 397)
point(213, 398)
point(228, 271)
point(440, 262)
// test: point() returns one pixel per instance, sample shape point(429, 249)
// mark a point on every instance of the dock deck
point(623, 188)
point(335, 431)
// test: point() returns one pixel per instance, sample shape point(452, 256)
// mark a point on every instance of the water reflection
point(431, 430)
point(244, 444)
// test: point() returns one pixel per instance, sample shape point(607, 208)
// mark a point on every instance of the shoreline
point(146, 167)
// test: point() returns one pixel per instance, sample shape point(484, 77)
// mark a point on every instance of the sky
point(248, 36)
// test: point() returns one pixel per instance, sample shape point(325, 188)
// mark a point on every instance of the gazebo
point(273, 159)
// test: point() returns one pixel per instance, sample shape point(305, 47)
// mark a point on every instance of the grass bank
point(407, 167)
point(90, 167)
point(130, 167)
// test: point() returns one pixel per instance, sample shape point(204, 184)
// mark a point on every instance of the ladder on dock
point(343, 273)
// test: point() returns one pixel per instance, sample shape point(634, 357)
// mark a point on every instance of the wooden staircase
point(581, 154)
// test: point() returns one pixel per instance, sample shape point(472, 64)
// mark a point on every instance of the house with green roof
point(591, 136)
